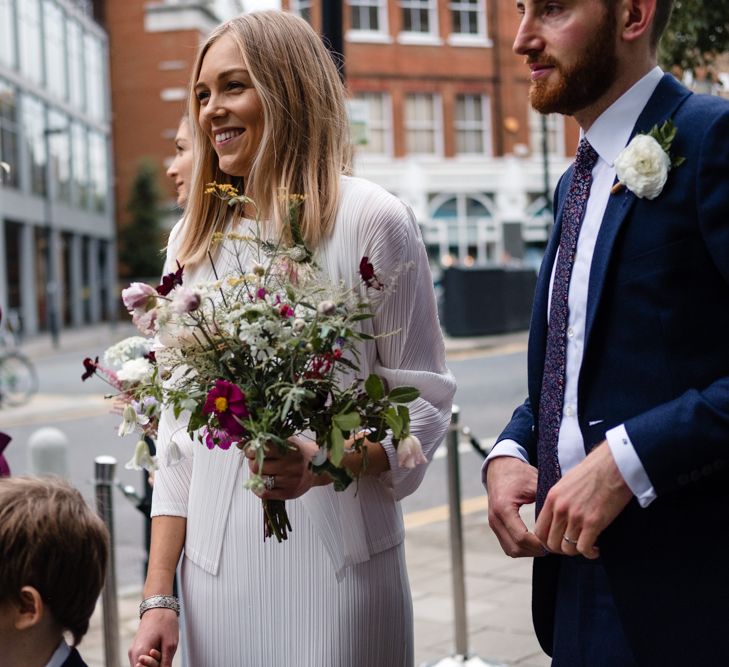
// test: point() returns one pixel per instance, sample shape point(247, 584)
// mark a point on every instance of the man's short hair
point(52, 540)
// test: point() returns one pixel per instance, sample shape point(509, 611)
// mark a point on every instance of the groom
point(627, 420)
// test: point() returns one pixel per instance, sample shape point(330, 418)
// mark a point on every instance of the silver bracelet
point(159, 602)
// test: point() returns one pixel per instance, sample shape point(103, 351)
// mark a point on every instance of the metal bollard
point(48, 452)
point(455, 521)
point(104, 467)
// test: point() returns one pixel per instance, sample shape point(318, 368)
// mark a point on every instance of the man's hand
point(511, 483)
point(582, 504)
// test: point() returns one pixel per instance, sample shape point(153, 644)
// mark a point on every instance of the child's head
point(53, 554)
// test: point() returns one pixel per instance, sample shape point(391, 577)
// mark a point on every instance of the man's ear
point(30, 609)
point(637, 19)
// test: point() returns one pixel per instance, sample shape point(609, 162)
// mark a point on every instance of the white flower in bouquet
point(271, 350)
point(133, 347)
point(142, 458)
point(135, 371)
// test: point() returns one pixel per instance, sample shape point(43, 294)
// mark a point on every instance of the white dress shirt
point(607, 135)
point(60, 655)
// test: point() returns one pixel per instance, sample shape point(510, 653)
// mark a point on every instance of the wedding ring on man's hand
point(569, 540)
point(269, 481)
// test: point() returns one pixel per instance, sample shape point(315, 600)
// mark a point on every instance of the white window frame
point(479, 38)
point(432, 37)
point(437, 126)
point(299, 6)
point(555, 126)
point(379, 36)
point(386, 127)
point(484, 126)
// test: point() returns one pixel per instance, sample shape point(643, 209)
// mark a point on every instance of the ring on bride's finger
point(269, 481)
point(569, 540)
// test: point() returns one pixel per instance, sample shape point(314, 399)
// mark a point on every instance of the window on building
point(29, 21)
point(59, 144)
point(419, 16)
point(367, 15)
point(7, 33)
point(99, 171)
point(468, 17)
point(553, 125)
point(472, 126)
point(377, 135)
point(76, 86)
point(9, 145)
point(463, 228)
point(80, 165)
point(55, 49)
point(422, 124)
point(95, 90)
point(34, 124)
point(302, 8)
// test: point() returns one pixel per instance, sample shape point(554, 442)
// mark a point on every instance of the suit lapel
point(666, 98)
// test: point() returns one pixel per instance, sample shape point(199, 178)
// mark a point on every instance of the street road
point(490, 385)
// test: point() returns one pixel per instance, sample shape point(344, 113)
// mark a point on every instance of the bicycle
point(18, 378)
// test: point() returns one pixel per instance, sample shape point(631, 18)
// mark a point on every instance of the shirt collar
point(609, 134)
point(61, 655)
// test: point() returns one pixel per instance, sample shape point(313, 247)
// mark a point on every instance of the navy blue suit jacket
point(656, 358)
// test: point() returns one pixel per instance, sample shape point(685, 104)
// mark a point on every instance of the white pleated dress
point(336, 594)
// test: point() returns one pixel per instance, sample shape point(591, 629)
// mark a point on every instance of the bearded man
point(624, 440)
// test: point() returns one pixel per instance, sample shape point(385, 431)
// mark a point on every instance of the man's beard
point(583, 83)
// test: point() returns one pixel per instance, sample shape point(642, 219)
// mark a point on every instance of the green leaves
point(403, 394)
point(375, 387)
point(664, 135)
point(347, 422)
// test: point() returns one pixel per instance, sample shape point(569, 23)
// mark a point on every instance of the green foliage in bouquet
point(269, 351)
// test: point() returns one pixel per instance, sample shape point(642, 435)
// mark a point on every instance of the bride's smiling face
point(231, 114)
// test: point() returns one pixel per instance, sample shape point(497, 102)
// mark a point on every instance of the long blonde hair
point(305, 146)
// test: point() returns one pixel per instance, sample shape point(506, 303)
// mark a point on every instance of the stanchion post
point(104, 467)
point(456, 533)
point(461, 656)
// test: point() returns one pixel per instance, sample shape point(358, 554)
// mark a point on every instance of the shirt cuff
point(503, 448)
point(630, 466)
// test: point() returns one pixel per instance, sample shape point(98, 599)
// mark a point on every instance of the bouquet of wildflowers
point(263, 353)
point(129, 367)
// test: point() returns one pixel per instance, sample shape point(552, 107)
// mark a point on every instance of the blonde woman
point(180, 169)
point(267, 111)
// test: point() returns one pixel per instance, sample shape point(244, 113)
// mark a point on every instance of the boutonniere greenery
point(643, 165)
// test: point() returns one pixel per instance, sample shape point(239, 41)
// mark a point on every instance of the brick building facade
point(440, 114)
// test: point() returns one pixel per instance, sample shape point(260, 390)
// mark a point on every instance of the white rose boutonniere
point(643, 165)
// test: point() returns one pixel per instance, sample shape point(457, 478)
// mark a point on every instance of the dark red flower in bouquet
point(286, 311)
point(170, 281)
point(4, 467)
point(151, 357)
point(90, 367)
point(227, 402)
point(367, 273)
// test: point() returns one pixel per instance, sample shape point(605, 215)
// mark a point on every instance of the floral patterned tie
point(551, 400)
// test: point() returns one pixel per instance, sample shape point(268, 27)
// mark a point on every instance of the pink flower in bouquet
point(139, 296)
point(185, 300)
point(214, 437)
point(410, 452)
point(145, 321)
point(261, 293)
point(286, 311)
point(170, 281)
point(228, 403)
